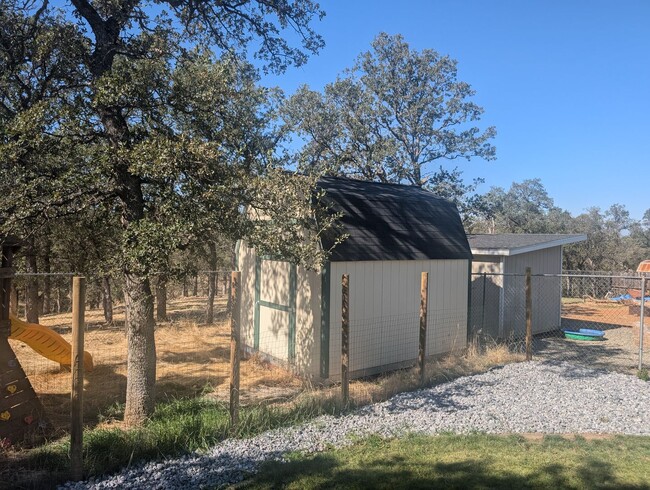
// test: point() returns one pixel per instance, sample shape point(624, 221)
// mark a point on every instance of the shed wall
point(546, 291)
point(274, 332)
point(308, 322)
point(384, 311)
point(487, 296)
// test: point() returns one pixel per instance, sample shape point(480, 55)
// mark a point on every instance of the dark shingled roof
point(512, 243)
point(393, 222)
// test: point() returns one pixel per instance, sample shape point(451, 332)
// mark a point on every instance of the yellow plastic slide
point(46, 342)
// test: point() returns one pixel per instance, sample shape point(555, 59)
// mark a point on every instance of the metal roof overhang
point(529, 248)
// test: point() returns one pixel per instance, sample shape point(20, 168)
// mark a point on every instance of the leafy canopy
point(125, 106)
point(390, 117)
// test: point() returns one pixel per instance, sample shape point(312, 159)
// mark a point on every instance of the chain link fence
point(384, 353)
point(192, 355)
point(568, 312)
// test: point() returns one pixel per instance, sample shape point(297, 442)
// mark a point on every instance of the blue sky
point(566, 83)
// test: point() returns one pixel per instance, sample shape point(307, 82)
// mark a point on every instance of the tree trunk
point(58, 298)
point(46, 307)
point(185, 291)
point(13, 300)
point(196, 285)
point(212, 283)
point(31, 285)
point(141, 358)
point(161, 298)
point(233, 263)
point(107, 299)
point(94, 298)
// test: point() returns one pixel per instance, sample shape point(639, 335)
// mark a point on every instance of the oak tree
point(95, 100)
point(395, 116)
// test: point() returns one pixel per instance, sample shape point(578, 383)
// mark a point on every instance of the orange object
point(4, 416)
point(11, 389)
point(46, 342)
point(644, 266)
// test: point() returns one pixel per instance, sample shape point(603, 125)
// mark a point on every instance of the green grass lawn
point(474, 461)
point(176, 427)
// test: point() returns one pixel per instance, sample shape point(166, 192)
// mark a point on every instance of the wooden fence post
point(529, 316)
point(235, 299)
point(76, 410)
point(424, 295)
point(345, 340)
point(483, 303)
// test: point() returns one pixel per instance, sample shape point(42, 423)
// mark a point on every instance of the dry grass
point(193, 359)
point(438, 370)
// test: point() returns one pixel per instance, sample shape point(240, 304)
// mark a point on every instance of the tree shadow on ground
point(448, 399)
point(599, 355)
point(324, 471)
point(197, 356)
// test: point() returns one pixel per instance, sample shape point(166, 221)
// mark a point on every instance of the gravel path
point(517, 398)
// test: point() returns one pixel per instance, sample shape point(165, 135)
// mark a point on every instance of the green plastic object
point(578, 336)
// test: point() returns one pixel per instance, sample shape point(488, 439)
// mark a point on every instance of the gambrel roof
point(393, 222)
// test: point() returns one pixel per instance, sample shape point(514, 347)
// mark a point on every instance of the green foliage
point(525, 208)
point(126, 107)
point(609, 246)
point(643, 374)
point(615, 242)
point(171, 144)
point(389, 117)
point(176, 427)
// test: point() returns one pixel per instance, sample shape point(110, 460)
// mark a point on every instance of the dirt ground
point(606, 313)
point(620, 349)
point(193, 358)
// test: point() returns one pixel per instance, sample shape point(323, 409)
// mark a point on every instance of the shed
point(498, 297)
point(293, 316)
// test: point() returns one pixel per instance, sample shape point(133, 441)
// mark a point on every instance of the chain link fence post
point(529, 315)
point(345, 340)
point(641, 323)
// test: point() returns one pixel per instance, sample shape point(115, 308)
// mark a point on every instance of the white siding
point(308, 321)
point(487, 296)
point(546, 291)
point(274, 324)
point(246, 264)
point(274, 283)
point(384, 311)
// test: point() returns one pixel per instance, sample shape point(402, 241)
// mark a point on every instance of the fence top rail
point(521, 274)
point(602, 276)
point(48, 274)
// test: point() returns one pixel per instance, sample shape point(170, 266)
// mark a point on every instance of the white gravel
point(517, 398)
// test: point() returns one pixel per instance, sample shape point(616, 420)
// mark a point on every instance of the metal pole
point(529, 316)
point(345, 340)
point(483, 305)
point(641, 323)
